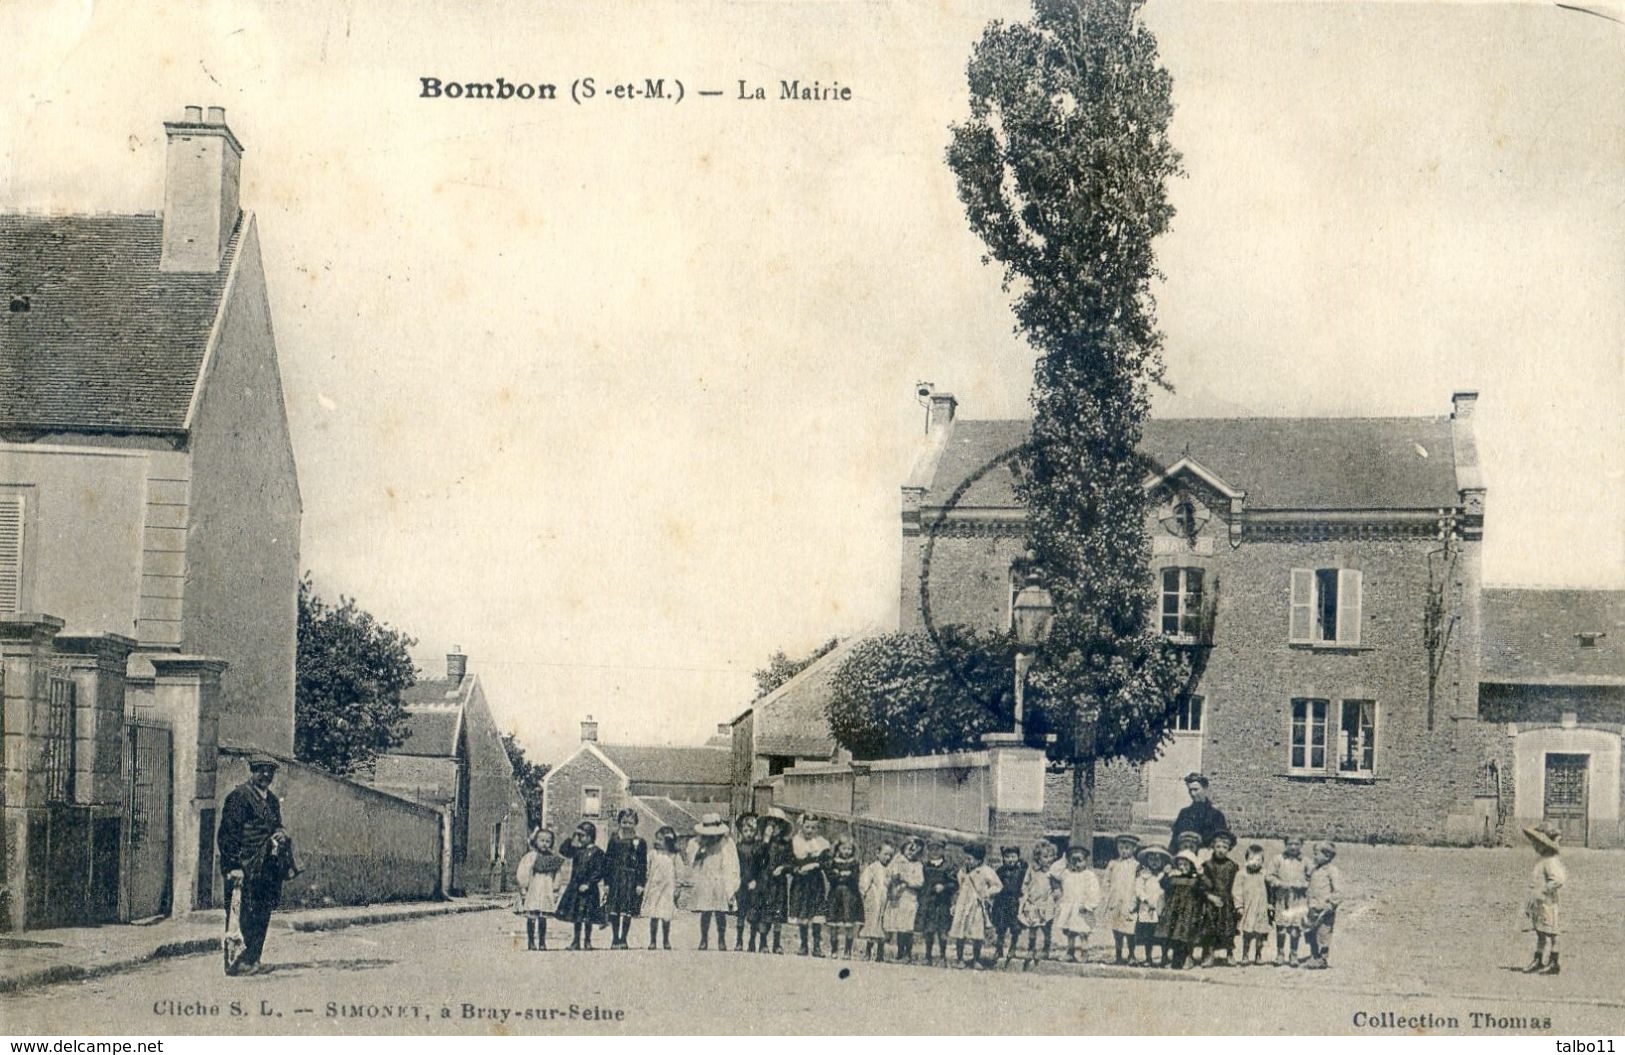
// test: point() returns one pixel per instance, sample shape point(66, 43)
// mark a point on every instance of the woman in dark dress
point(582, 903)
point(626, 863)
point(745, 900)
point(1182, 922)
point(1217, 887)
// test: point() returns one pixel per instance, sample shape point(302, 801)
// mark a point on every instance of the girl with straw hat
point(1545, 882)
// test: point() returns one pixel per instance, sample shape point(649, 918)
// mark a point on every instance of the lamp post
point(1034, 611)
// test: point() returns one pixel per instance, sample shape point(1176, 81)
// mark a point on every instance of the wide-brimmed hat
point(262, 761)
point(1147, 852)
point(776, 814)
point(711, 824)
point(1545, 835)
point(1186, 855)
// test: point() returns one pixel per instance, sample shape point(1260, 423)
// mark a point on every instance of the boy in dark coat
point(937, 896)
point(626, 870)
point(1012, 872)
point(745, 900)
point(582, 903)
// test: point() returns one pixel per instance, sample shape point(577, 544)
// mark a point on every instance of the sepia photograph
point(795, 517)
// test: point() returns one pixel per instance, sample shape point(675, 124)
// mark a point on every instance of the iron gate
point(1566, 804)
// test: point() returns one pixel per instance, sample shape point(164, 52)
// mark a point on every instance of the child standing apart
point(973, 908)
point(1325, 894)
point(903, 883)
point(660, 887)
point(937, 899)
point(1079, 897)
point(1012, 873)
point(1148, 898)
point(538, 874)
point(844, 909)
point(1037, 912)
point(1545, 883)
point(1288, 883)
point(1253, 907)
point(872, 885)
point(1119, 899)
point(1219, 891)
point(1181, 923)
point(627, 870)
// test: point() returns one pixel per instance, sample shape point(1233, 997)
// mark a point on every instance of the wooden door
point(1180, 757)
point(1566, 802)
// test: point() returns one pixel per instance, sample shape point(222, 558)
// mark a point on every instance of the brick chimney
point(456, 664)
point(589, 730)
point(1462, 404)
point(200, 190)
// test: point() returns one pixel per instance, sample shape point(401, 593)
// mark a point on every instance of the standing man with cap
point(1201, 816)
point(256, 855)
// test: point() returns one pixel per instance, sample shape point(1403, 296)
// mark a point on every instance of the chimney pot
point(456, 664)
point(217, 115)
point(1462, 403)
point(194, 114)
point(589, 731)
point(943, 405)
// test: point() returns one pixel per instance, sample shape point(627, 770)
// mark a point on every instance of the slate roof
point(666, 811)
point(109, 343)
point(1282, 463)
point(790, 720)
point(1530, 636)
point(670, 765)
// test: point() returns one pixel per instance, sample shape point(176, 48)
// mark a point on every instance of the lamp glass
point(1034, 613)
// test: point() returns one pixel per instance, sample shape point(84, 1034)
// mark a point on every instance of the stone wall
point(561, 794)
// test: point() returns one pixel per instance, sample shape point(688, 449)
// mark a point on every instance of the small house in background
point(666, 785)
point(1553, 675)
point(453, 758)
point(786, 726)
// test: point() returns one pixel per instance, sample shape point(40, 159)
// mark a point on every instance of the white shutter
point(1348, 607)
point(1302, 623)
point(11, 554)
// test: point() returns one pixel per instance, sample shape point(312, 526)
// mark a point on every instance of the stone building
point(783, 728)
point(1330, 570)
point(149, 537)
point(666, 785)
point(453, 759)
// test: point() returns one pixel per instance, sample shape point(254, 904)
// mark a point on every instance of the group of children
point(1177, 909)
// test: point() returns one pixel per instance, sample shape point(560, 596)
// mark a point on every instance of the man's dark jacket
point(1203, 818)
point(247, 822)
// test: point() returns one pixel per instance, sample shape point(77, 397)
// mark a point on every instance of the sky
point(617, 397)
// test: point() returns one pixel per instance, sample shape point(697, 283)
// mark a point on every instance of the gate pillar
point(186, 694)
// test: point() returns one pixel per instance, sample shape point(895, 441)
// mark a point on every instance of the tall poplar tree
point(1063, 169)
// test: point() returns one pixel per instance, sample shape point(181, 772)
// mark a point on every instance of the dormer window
point(1589, 638)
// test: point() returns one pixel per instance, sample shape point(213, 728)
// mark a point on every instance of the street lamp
point(1034, 612)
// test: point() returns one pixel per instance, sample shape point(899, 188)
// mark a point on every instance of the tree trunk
point(1083, 783)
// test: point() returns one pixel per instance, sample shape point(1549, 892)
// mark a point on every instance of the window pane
point(1196, 713)
point(1326, 604)
point(1170, 580)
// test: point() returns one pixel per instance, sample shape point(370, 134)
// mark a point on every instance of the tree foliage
point(907, 694)
point(1062, 168)
point(781, 668)
point(528, 775)
point(351, 672)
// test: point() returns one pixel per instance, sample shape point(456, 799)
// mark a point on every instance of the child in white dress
point(973, 906)
point(1119, 896)
point(872, 886)
point(1037, 909)
point(1077, 900)
point(660, 889)
point(538, 887)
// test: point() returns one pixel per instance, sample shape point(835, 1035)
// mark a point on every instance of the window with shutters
point(11, 553)
point(1325, 607)
point(1308, 751)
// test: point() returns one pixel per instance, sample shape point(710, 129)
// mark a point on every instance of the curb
point(68, 972)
